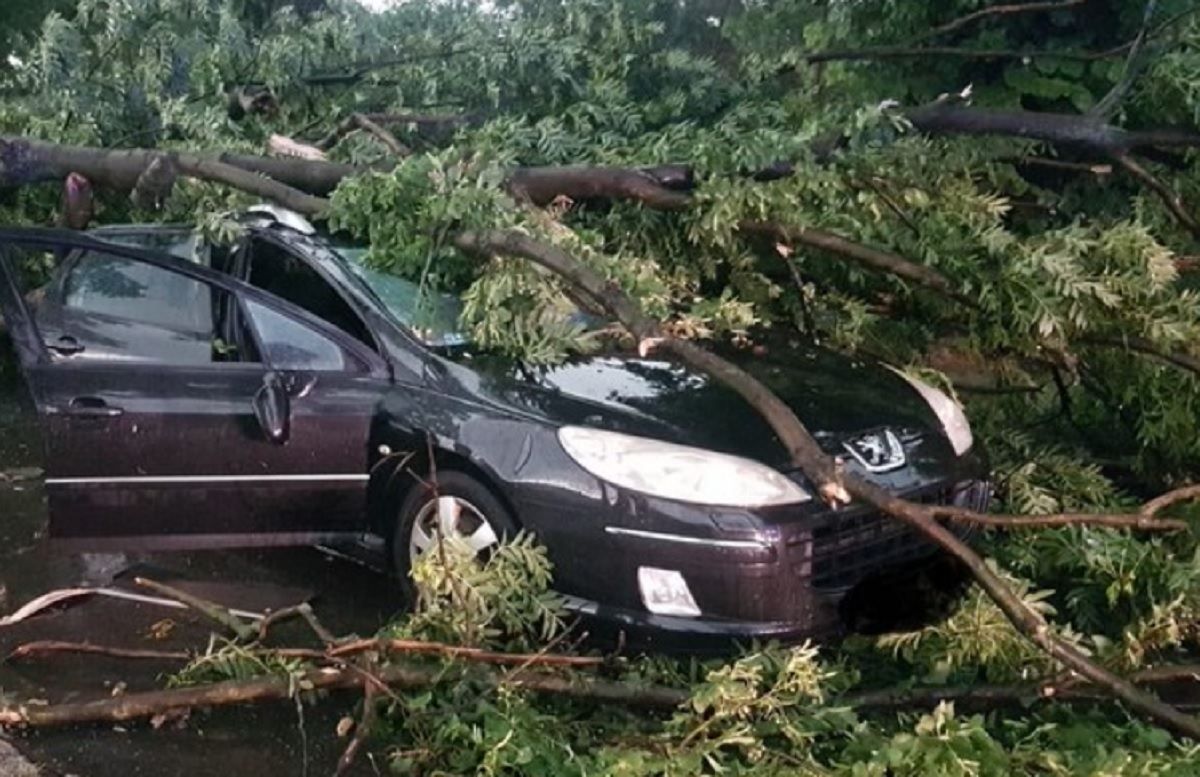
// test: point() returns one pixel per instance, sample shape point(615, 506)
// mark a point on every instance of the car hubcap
point(450, 517)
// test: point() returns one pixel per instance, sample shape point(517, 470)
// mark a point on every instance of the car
point(280, 392)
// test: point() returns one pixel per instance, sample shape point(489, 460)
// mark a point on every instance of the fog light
point(665, 592)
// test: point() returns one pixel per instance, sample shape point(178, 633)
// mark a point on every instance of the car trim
point(680, 538)
point(149, 480)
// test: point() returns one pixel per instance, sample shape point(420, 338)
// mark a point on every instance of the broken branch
point(1165, 193)
point(210, 610)
point(43, 647)
point(134, 706)
point(458, 651)
point(1000, 10)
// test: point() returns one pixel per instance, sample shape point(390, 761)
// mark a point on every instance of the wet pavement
point(268, 739)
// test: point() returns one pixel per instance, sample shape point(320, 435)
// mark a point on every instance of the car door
point(191, 410)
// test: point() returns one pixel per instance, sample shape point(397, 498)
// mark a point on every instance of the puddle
point(263, 740)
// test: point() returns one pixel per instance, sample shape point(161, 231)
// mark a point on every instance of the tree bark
point(135, 706)
point(1082, 132)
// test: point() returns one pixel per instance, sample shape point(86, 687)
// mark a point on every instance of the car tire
point(477, 506)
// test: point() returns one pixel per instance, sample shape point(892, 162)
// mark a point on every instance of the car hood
point(834, 396)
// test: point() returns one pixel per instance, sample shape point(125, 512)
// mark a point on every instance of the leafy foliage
point(1064, 261)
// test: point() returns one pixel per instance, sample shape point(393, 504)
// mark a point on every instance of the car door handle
point(66, 346)
point(91, 407)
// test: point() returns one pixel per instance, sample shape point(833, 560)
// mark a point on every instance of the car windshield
point(431, 316)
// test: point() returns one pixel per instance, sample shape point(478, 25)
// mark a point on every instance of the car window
point(118, 309)
point(184, 244)
point(113, 285)
point(285, 275)
point(290, 345)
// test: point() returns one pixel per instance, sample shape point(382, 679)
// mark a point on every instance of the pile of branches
point(534, 209)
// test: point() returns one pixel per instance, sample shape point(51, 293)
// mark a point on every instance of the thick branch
point(136, 706)
point(24, 161)
point(542, 185)
point(253, 183)
point(1083, 132)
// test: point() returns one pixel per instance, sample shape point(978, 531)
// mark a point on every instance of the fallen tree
point(962, 241)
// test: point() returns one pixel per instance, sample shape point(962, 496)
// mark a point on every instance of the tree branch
point(1083, 132)
point(1147, 347)
point(833, 484)
point(999, 10)
point(1109, 103)
point(1049, 689)
point(134, 706)
point(884, 261)
point(210, 610)
point(478, 655)
point(542, 185)
point(43, 647)
point(365, 122)
point(1165, 193)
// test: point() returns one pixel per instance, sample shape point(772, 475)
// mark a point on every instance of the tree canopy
point(1002, 197)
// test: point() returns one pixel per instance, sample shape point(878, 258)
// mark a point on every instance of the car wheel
point(462, 507)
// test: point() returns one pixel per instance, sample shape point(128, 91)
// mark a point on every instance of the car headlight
point(949, 412)
point(678, 471)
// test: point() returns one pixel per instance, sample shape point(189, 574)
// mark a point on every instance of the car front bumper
point(775, 575)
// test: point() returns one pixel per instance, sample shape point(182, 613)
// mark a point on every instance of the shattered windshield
point(431, 316)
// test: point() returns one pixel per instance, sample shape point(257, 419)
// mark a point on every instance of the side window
point(274, 270)
point(118, 309)
point(290, 345)
point(116, 286)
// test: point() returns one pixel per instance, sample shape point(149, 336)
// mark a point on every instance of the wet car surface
point(272, 397)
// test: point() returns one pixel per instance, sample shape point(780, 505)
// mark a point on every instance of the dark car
point(280, 392)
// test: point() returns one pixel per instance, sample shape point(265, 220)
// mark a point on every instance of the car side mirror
point(273, 409)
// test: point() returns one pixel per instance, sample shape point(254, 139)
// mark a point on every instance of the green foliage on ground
point(1062, 266)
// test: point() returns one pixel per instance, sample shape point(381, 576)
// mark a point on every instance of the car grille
point(841, 549)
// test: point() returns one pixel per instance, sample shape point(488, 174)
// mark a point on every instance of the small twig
point(361, 731)
point(998, 10)
point(42, 647)
point(458, 651)
point(1165, 193)
point(303, 610)
point(1091, 168)
point(210, 610)
point(1141, 345)
point(1058, 688)
point(1109, 103)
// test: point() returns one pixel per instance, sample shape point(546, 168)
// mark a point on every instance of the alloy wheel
point(450, 517)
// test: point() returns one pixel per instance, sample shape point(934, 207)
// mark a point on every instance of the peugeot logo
point(878, 451)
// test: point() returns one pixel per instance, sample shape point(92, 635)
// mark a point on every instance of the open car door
point(181, 408)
